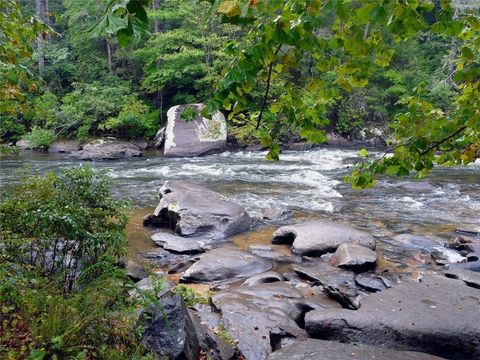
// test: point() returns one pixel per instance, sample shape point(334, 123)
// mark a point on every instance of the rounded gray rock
point(318, 237)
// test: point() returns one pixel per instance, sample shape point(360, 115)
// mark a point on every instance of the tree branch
point(440, 142)
point(267, 90)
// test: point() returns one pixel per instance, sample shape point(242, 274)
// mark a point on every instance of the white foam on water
point(412, 203)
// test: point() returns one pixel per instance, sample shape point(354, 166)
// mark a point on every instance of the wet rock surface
point(195, 211)
point(262, 316)
point(64, 146)
point(314, 349)
point(268, 277)
point(319, 237)
point(354, 256)
point(214, 347)
point(134, 270)
point(276, 215)
point(414, 242)
point(438, 315)
point(338, 283)
point(443, 256)
point(199, 136)
point(169, 330)
point(225, 264)
point(178, 244)
point(107, 149)
point(371, 282)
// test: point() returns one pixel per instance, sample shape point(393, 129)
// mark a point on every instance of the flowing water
point(309, 182)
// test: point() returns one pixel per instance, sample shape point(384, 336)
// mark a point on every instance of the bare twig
point(267, 90)
point(440, 142)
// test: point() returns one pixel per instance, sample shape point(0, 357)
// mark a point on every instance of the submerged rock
point(195, 211)
point(354, 256)
point(107, 149)
point(338, 283)
point(437, 315)
point(225, 264)
point(169, 330)
point(470, 230)
point(314, 349)
point(414, 242)
point(196, 137)
point(318, 237)
point(276, 215)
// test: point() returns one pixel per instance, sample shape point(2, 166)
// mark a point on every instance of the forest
point(289, 78)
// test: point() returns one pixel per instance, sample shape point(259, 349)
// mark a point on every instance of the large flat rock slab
point(225, 264)
point(194, 211)
point(261, 315)
point(438, 315)
point(318, 237)
point(313, 349)
point(195, 137)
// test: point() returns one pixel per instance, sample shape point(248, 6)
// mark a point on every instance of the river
point(307, 182)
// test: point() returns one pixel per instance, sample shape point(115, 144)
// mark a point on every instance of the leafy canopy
point(348, 42)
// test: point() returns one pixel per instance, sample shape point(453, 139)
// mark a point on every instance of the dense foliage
point(278, 68)
point(62, 294)
point(347, 43)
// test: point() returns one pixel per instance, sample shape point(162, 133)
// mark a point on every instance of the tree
point(183, 58)
point(280, 32)
point(357, 44)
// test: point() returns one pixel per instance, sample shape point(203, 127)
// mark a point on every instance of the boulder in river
point(178, 244)
point(261, 316)
point(64, 146)
point(225, 264)
point(195, 211)
point(107, 149)
point(318, 237)
point(337, 283)
point(314, 349)
point(23, 144)
point(169, 330)
point(196, 137)
point(354, 256)
point(438, 315)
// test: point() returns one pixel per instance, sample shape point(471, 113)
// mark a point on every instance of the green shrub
point(62, 223)
point(62, 293)
point(40, 138)
point(134, 121)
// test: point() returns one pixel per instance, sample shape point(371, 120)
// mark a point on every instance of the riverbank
point(308, 183)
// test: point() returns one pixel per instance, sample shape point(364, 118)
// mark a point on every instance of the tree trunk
point(40, 12)
point(156, 23)
point(109, 56)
